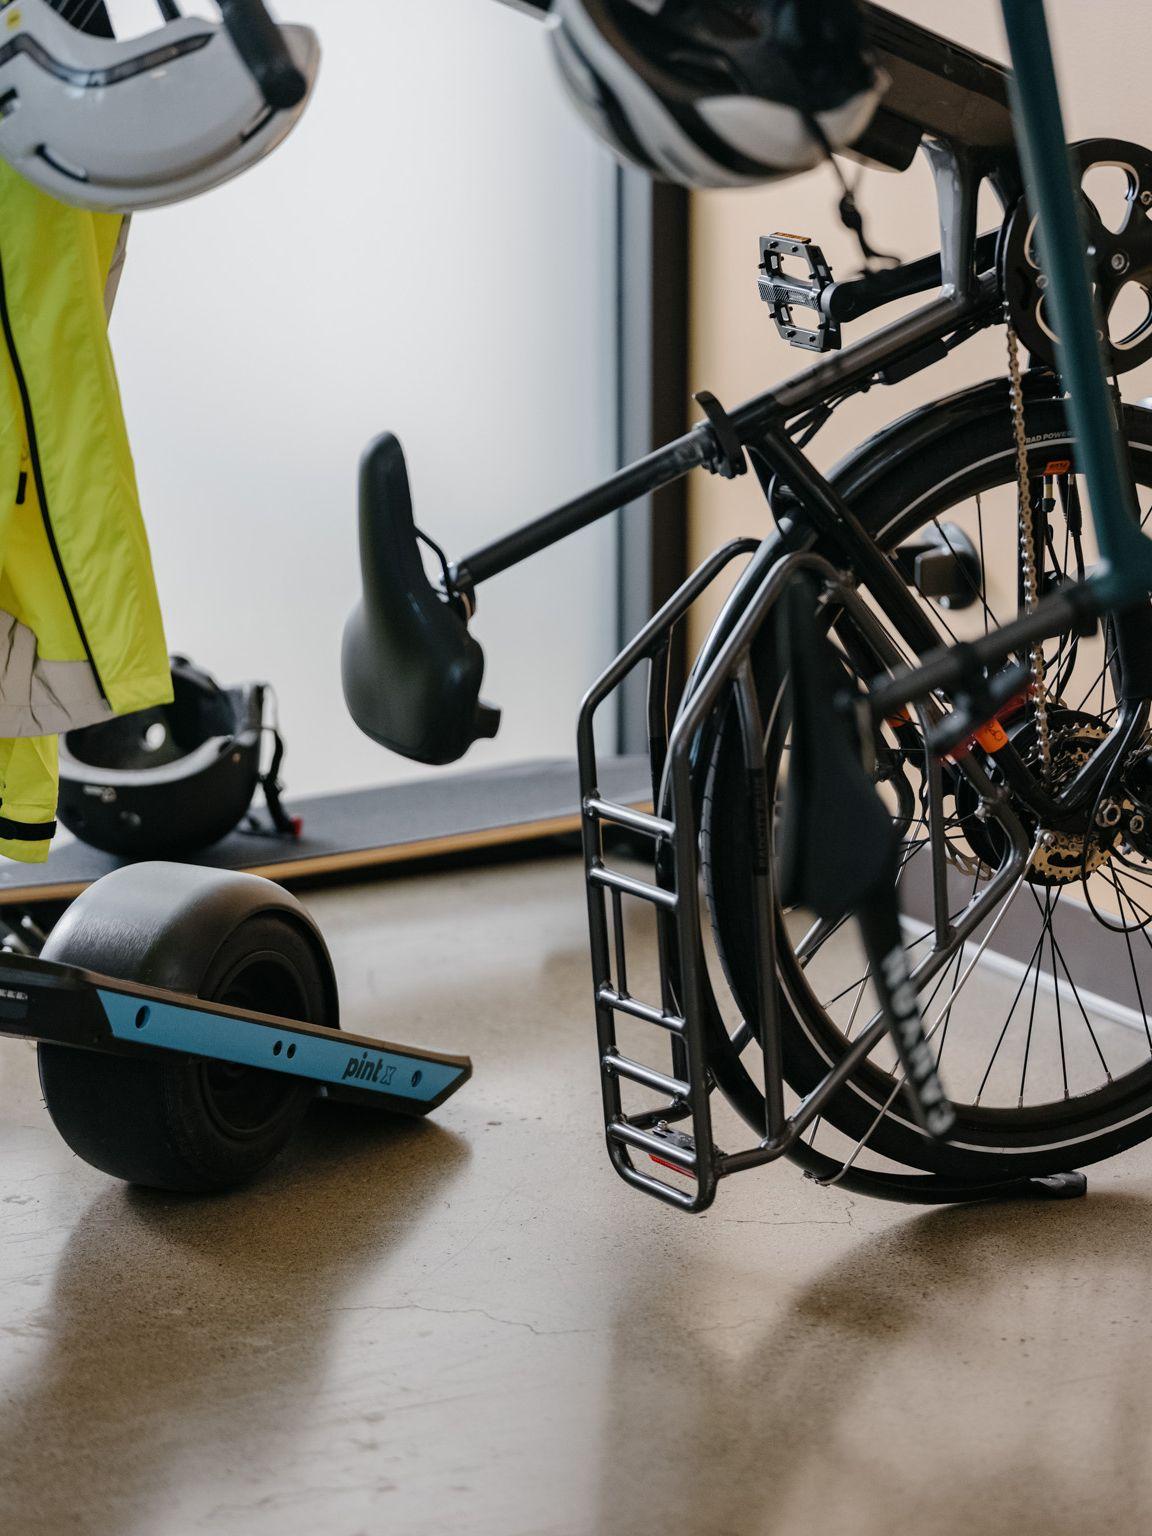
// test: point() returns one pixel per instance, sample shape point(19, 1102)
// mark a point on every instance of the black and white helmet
point(121, 125)
point(719, 93)
point(169, 781)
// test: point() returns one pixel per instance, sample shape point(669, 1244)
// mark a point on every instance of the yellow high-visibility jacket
point(81, 637)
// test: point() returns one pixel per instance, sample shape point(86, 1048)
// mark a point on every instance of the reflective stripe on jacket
point(81, 636)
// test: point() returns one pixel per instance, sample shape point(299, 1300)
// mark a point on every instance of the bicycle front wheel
point(1045, 1034)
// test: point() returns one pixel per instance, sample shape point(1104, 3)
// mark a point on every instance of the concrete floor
point(473, 1327)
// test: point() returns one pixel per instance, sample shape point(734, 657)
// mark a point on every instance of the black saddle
point(412, 672)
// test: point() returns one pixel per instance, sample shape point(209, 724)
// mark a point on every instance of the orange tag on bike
point(992, 737)
point(1058, 467)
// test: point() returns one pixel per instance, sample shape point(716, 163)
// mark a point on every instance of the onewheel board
point(448, 814)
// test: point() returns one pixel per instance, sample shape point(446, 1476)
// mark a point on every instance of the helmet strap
point(850, 215)
point(285, 825)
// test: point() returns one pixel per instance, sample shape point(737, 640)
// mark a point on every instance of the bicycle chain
point(1029, 573)
point(973, 864)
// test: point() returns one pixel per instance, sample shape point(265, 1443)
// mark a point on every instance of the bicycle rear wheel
point(1046, 1040)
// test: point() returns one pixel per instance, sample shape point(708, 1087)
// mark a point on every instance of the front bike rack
point(676, 1133)
point(673, 893)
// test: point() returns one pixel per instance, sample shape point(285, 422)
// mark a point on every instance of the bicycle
point(1003, 787)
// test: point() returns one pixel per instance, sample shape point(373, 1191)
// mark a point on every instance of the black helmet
point(173, 779)
point(719, 93)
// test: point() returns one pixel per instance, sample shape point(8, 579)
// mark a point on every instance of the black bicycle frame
point(686, 1011)
point(969, 301)
point(820, 537)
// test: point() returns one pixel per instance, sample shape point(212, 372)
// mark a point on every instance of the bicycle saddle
point(412, 672)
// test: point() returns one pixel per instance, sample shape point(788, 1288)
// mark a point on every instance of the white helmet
point(119, 126)
point(719, 93)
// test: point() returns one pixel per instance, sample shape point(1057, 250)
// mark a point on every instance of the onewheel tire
point(172, 1121)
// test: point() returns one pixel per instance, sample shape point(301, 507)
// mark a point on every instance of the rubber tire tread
point(148, 1121)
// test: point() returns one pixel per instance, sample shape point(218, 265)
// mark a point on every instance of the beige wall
point(1104, 47)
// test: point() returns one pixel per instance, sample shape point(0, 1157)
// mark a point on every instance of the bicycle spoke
point(977, 592)
point(1005, 1050)
point(828, 1003)
point(956, 979)
point(983, 559)
point(816, 937)
point(1008, 1020)
point(1079, 1003)
point(1136, 906)
point(1059, 1017)
point(1035, 993)
point(1121, 897)
point(1100, 680)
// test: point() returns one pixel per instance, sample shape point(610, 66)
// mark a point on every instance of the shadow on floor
point(181, 1330)
point(981, 1369)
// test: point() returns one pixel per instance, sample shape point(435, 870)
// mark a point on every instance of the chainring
point(1118, 259)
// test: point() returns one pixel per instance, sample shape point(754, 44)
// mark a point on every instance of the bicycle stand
point(929, 1189)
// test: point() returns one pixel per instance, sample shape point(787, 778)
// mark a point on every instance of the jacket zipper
point(38, 476)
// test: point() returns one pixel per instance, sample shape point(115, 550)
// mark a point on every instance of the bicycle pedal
point(682, 1142)
point(783, 292)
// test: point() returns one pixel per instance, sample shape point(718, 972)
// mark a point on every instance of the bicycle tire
point(894, 487)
